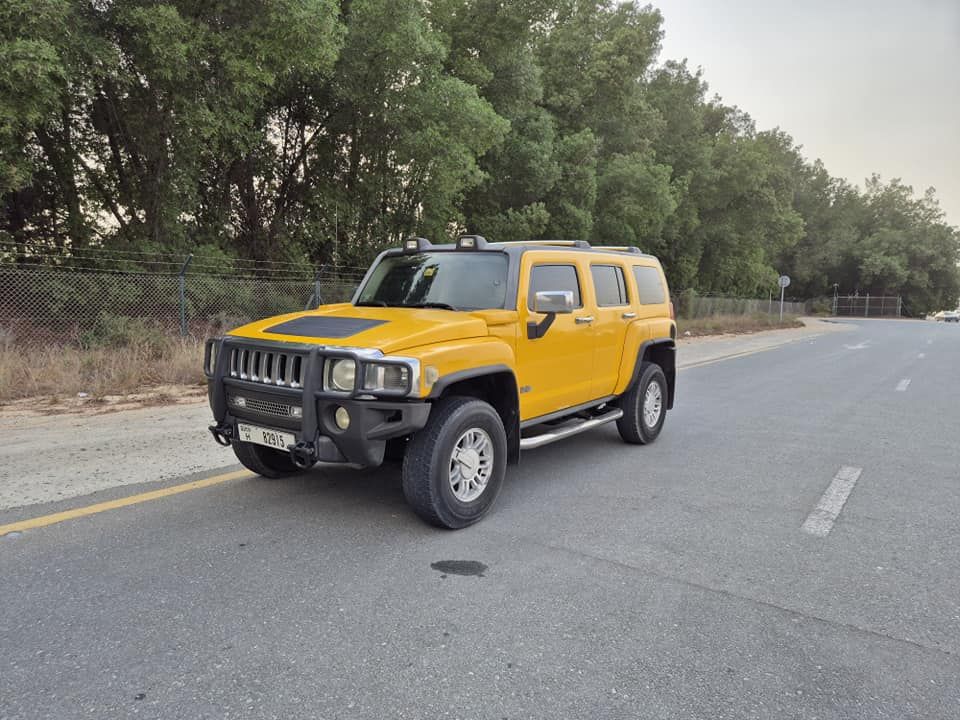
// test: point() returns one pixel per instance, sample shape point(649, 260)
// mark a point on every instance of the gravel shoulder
point(56, 451)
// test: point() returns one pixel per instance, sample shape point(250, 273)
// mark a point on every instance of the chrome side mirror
point(553, 301)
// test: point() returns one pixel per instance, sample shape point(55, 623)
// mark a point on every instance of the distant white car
point(951, 316)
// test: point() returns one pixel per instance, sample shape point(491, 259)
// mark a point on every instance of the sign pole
point(783, 281)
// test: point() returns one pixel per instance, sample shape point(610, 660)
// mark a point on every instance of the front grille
point(267, 366)
point(267, 407)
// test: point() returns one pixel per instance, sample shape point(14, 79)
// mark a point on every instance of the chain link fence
point(48, 305)
point(693, 306)
point(868, 306)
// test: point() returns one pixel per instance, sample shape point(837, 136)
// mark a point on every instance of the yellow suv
point(453, 358)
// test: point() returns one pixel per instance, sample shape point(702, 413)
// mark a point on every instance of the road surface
point(786, 549)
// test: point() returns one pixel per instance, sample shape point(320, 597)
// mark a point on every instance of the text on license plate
point(265, 436)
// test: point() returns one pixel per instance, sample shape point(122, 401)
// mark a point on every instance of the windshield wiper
point(371, 303)
point(439, 305)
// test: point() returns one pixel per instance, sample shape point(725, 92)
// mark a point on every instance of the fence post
point(317, 297)
point(183, 295)
point(899, 304)
point(866, 306)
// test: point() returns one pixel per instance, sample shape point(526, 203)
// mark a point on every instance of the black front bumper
point(373, 421)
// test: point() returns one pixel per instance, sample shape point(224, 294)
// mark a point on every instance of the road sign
point(782, 282)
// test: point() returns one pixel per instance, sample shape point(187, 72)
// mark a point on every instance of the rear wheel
point(453, 468)
point(264, 461)
point(644, 406)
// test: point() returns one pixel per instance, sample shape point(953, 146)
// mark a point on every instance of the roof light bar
point(471, 242)
point(416, 244)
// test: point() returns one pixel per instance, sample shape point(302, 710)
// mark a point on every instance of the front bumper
point(373, 420)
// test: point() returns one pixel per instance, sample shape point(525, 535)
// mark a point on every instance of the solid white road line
point(903, 385)
point(821, 520)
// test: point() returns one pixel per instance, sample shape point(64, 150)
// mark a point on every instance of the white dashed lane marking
point(820, 521)
point(921, 356)
point(903, 385)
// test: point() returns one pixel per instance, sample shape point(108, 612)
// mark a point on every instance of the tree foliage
point(324, 130)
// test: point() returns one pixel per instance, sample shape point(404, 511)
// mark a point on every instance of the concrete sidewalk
point(50, 458)
point(702, 350)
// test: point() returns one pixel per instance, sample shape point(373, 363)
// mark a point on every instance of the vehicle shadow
point(375, 495)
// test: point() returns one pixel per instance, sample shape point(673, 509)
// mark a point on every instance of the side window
point(609, 284)
point(554, 277)
point(649, 285)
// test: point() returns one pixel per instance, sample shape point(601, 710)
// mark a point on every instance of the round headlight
point(343, 375)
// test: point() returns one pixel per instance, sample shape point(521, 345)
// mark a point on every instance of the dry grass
point(67, 371)
point(59, 372)
point(734, 324)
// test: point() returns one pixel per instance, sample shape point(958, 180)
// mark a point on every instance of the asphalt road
point(678, 580)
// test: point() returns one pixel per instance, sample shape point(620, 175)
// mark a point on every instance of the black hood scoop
point(315, 326)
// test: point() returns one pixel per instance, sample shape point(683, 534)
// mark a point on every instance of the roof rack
point(622, 248)
point(556, 243)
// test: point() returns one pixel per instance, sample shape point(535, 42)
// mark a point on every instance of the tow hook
point(303, 454)
point(222, 435)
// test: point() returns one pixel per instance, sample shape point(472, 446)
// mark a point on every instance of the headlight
point(341, 375)
point(388, 378)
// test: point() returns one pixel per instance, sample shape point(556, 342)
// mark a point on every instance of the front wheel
point(453, 468)
point(264, 461)
point(644, 406)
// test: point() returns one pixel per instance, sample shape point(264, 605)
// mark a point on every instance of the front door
point(555, 369)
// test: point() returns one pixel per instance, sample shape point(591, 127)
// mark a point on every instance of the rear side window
point(649, 285)
point(553, 278)
point(609, 284)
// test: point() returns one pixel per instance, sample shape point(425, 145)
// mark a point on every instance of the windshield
point(451, 280)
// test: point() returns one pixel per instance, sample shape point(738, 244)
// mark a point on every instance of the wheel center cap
point(469, 460)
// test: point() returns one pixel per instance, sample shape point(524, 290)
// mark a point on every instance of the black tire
point(264, 461)
point(426, 464)
point(632, 426)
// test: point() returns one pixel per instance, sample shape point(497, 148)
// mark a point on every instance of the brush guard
point(303, 454)
point(223, 434)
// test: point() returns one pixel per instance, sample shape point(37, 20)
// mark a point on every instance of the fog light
point(238, 401)
point(296, 411)
point(342, 418)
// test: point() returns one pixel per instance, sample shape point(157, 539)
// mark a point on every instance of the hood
point(384, 328)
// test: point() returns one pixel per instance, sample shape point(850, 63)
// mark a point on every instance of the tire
point(633, 426)
point(264, 461)
point(438, 488)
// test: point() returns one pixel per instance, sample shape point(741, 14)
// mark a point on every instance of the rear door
point(613, 315)
point(555, 369)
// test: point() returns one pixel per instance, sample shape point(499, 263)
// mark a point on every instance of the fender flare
point(669, 369)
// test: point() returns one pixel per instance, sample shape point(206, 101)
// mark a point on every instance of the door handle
point(584, 320)
point(629, 315)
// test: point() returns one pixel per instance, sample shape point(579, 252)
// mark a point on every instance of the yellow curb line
point(59, 517)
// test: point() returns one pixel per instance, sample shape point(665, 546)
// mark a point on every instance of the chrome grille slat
point(275, 374)
point(284, 369)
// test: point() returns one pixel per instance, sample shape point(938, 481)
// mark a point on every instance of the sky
point(866, 86)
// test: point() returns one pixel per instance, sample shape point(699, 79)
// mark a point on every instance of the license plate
point(265, 436)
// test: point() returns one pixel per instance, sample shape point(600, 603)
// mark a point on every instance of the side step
point(548, 437)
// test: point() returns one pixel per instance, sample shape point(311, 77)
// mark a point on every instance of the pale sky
point(866, 86)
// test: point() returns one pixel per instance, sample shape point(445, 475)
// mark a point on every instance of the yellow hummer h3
point(454, 358)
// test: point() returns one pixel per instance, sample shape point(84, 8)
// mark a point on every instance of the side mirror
point(553, 301)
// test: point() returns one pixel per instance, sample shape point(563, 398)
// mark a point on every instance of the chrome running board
point(548, 437)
